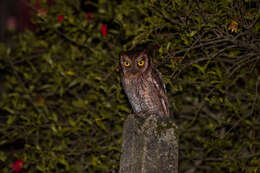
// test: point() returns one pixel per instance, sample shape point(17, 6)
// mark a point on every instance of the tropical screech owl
point(143, 84)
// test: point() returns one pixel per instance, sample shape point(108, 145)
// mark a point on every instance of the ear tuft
point(144, 53)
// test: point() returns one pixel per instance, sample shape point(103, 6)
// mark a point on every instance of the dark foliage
point(62, 105)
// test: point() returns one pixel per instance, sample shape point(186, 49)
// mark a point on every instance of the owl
point(143, 84)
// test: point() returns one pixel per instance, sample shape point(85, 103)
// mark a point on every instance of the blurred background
point(62, 106)
point(14, 17)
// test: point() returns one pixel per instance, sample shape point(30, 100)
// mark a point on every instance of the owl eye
point(126, 63)
point(140, 63)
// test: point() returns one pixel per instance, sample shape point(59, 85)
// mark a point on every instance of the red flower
point(17, 166)
point(89, 15)
point(103, 30)
point(60, 18)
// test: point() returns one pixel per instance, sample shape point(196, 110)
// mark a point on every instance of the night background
point(62, 106)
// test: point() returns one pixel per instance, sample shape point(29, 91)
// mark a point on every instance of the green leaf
point(11, 120)
point(64, 162)
point(101, 125)
point(2, 156)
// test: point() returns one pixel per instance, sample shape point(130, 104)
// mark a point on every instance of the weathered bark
point(149, 146)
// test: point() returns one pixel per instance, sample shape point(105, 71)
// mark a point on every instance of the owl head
point(134, 63)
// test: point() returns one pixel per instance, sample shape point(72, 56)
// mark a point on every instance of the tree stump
point(150, 145)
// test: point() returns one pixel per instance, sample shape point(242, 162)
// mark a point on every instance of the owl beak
point(135, 71)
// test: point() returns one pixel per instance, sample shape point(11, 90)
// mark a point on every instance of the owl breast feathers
point(143, 84)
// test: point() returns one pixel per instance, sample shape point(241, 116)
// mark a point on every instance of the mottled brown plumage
point(143, 84)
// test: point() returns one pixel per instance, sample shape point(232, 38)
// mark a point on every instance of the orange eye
point(140, 63)
point(126, 63)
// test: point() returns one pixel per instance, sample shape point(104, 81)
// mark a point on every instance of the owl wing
point(161, 90)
